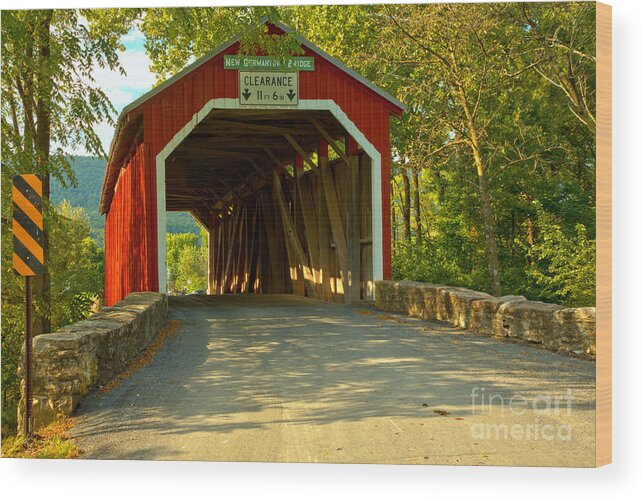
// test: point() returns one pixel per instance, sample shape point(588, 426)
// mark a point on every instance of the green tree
point(563, 262)
point(187, 262)
point(50, 102)
point(176, 244)
point(193, 269)
point(77, 283)
point(463, 62)
point(457, 77)
point(560, 40)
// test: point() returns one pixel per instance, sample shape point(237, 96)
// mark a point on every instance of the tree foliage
point(175, 37)
point(563, 268)
point(187, 262)
point(48, 89)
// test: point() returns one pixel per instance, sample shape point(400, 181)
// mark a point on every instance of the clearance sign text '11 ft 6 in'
point(268, 88)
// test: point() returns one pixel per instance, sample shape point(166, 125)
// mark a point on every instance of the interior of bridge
point(285, 196)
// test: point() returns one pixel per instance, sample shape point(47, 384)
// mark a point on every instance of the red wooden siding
point(131, 225)
point(130, 242)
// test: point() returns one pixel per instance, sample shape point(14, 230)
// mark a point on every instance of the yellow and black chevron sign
point(28, 255)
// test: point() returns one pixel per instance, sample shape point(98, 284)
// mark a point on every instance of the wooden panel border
point(603, 234)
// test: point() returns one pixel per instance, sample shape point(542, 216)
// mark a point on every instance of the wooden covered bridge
point(243, 144)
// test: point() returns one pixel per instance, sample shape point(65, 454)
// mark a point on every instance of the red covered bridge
point(244, 147)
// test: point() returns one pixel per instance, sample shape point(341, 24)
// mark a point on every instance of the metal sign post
point(28, 426)
point(28, 261)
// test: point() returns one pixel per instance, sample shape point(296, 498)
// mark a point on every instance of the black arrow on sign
point(291, 94)
point(246, 93)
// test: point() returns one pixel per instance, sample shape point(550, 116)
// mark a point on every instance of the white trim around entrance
point(304, 104)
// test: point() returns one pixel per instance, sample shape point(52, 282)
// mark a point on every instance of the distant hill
point(89, 173)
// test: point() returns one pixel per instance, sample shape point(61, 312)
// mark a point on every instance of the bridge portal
point(285, 164)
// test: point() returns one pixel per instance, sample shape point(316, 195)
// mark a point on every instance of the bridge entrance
point(285, 197)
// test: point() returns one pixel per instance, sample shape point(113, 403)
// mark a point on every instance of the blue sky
point(120, 89)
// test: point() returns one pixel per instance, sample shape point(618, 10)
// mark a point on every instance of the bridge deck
point(282, 378)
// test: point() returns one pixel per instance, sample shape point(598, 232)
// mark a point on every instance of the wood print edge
point(603, 234)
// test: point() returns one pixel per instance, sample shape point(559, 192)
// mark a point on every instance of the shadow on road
point(312, 363)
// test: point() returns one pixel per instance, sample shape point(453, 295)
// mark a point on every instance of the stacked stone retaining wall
point(69, 364)
point(551, 326)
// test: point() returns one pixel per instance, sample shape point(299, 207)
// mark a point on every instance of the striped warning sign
point(28, 255)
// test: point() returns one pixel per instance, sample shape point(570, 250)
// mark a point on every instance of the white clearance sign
point(268, 88)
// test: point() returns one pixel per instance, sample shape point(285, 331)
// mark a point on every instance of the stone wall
point(551, 326)
point(79, 358)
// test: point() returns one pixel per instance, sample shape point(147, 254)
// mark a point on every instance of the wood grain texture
point(603, 234)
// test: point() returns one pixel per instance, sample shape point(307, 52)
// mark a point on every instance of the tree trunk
point(512, 237)
point(406, 206)
point(416, 205)
point(489, 232)
point(394, 221)
point(530, 231)
point(530, 238)
point(488, 217)
point(42, 283)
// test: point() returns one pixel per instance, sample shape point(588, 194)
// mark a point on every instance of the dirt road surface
point(288, 379)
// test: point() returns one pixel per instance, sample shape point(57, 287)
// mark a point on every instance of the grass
point(50, 442)
point(9, 417)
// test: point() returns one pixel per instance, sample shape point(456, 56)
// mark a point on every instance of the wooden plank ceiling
point(231, 154)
